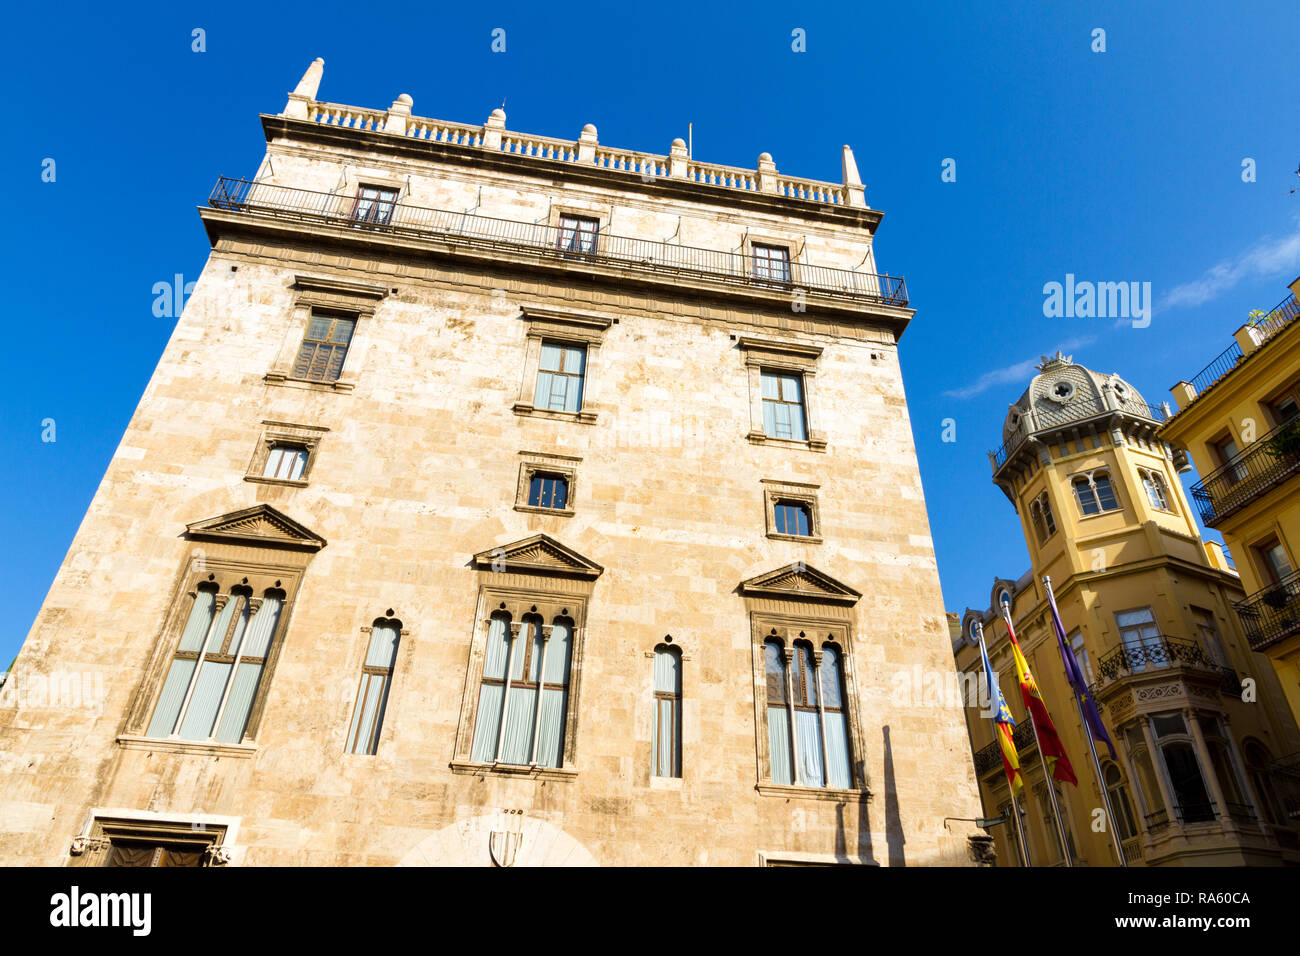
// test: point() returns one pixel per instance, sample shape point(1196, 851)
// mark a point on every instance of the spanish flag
point(1003, 723)
point(1049, 742)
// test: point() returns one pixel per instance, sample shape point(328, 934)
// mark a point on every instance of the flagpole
point(1042, 759)
point(1092, 750)
point(1015, 805)
point(1020, 831)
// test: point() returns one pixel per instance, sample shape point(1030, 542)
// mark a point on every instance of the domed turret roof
point(1064, 391)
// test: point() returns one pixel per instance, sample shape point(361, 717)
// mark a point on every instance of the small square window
point(771, 263)
point(548, 491)
point(578, 233)
point(285, 462)
point(374, 204)
point(792, 518)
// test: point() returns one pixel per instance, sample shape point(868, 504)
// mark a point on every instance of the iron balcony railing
point(1268, 325)
point(1264, 465)
point(1151, 653)
point(392, 215)
point(1271, 614)
point(990, 756)
point(1131, 406)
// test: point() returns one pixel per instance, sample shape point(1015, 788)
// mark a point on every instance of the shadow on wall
point(894, 838)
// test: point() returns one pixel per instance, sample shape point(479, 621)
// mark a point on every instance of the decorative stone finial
point(852, 181)
point(498, 114)
point(305, 92)
point(1055, 360)
point(589, 131)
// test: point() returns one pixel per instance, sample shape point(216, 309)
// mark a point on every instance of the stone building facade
point(1197, 717)
point(503, 499)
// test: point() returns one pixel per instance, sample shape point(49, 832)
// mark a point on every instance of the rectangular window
point(524, 693)
point(559, 378)
point(1081, 656)
point(285, 462)
point(548, 491)
point(783, 413)
point(1273, 560)
point(578, 234)
point(324, 347)
point(372, 697)
point(666, 734)
point(1230, 457)
point(1209, 634)
point(792, 518)
point(1141, 638)
point(374, 204)
point(213, 681)
point(771, 263)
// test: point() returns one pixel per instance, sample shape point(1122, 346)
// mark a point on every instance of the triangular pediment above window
point(260, 524)
point(799, 582)
point(540, 554)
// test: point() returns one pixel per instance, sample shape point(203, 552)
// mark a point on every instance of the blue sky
point(1115, 166)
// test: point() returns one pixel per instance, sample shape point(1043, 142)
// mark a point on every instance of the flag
point(1072, 673)
point(1049, 742)
point(1003, 723)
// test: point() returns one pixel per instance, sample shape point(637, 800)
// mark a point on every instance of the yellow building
point(1240, 420)
point(1197, 718)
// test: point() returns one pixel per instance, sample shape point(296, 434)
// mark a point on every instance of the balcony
point(986, 758)
point(1264, 465)
point(1078, 413)
point(1156, 654)
point(1271, 614)
point(1262, 329)
point(560, 245)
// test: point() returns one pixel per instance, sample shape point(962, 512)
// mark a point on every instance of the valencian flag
point(1072, 673)
point(1049, 742)
point(1003, 723)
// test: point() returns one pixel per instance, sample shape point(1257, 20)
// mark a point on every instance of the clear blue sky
point(1123, 165)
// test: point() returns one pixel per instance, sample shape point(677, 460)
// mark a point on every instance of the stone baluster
point(587, 144)
point(304, 94)
point(493, 128)
point(853, 189)
point(398, 114)
point(766, 173)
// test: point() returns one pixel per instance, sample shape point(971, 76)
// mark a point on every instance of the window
point(523, 697)
point(1258, 763)
point(374, 204)
point(1040, 514)
point(1125, 822)
point(1286, 410)
point(578, 233)
point(792, 518)
point(808, 742)
point(783, 414)
point(1094, 493)
point(215, 676)
point(1182, 769)
point(324, 347)
point(771, 263)
point(1230, 457)
point(1209, 634)
point(1141, 638)
point(559, 377)
point(1273, 561)
point(548, 491)
point(147, 841)
point(1157, 492)
point(1080, 653)
point(372, 696)
point(666, 734)
point(285, 462)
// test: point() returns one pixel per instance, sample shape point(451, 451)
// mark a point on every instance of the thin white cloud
point(1267, 258)
point(1019, 373)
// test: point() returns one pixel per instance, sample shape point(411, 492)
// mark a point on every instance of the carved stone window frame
point(542, 463)
point(796, 492)
point(255, 549)
point(284, 433)
point(818, 631)
point(216, 834)
point(790, 357)
point(357, 665)
point(534, 577)
point(562, 327)
point(327, 296)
